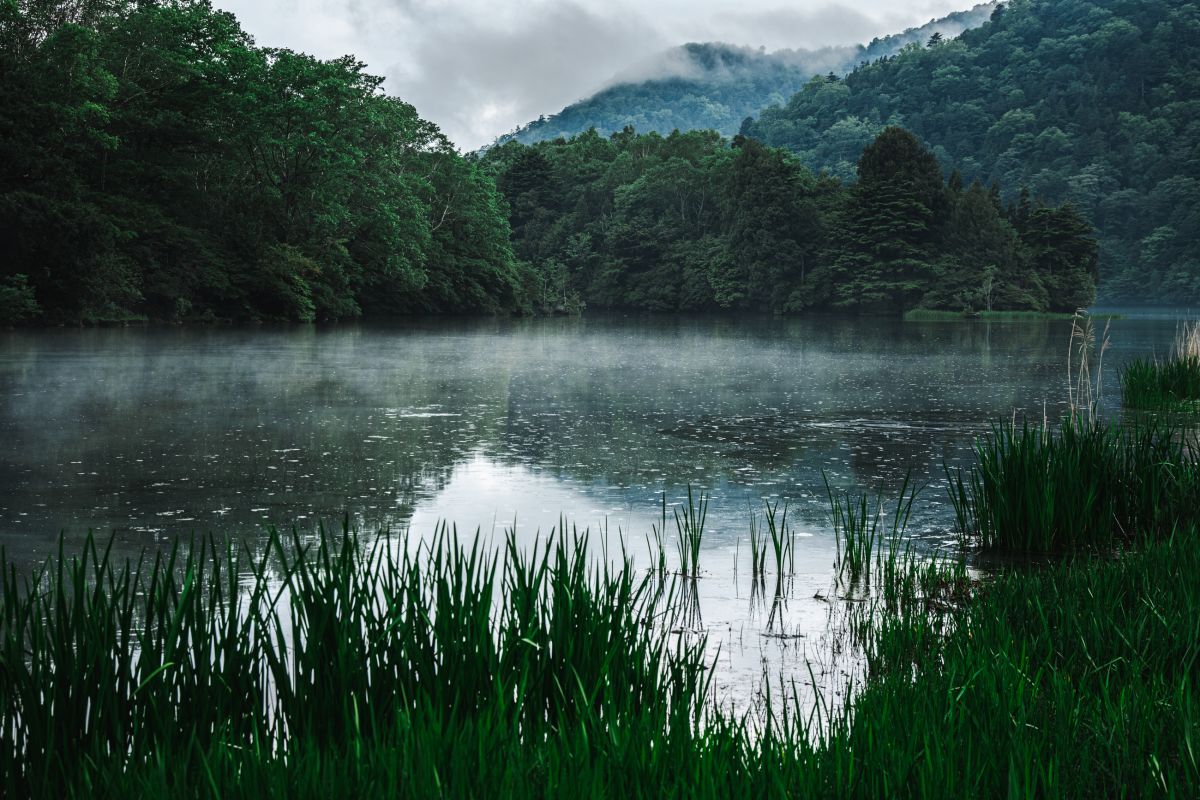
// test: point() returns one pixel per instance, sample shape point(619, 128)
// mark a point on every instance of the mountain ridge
point(716, 85)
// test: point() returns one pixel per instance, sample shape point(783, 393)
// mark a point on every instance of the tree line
point(156, 163)
point(691, 221)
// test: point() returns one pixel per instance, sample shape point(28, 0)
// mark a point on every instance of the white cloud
point(480, 68)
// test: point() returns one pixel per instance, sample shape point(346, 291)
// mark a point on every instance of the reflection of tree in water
point(229, 426)
point(211, 429)
point(863, 402)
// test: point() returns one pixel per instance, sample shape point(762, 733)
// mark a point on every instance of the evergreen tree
point(889, 230)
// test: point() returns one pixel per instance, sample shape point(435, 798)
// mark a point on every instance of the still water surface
point(494, 424)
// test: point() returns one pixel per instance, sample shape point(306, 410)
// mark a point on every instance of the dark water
point(159, 432)
point(156, 431)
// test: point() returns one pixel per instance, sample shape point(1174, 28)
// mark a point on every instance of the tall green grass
point(1087, 483)
point(204, 660)
point(860, 540)
point(1170, 384)
point(338, 667)
point(1076, 680)
point(689, 524)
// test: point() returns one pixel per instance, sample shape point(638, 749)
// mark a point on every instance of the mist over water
point(154, 432)
point(503, 424)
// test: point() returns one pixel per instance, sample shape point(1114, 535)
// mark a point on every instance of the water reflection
point(155, 433)
point(164, 430)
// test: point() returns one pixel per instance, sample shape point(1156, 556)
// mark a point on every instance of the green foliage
point(1070, 680)
point(689, 221)
point(1086, 484)
point(1087, 102)
point(1150, 384)
point(314, 667)
point(17, 302)
point(155, 163)
point(1172, 384)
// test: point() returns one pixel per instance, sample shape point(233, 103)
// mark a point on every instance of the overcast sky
point(479, 68)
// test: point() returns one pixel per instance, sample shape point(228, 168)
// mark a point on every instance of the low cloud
point(479, 77)
point(479, 68)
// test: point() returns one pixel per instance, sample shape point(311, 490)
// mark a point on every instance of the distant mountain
point(1092, 102)
point(716, 86)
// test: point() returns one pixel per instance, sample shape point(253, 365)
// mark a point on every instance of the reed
point(111, 667)
point(783, 540)
point(657, 549)
point(861, 542)
point(758, 552)
point(689, 526)
point(1171, 384)
point(1086, 484)
point(336, 666)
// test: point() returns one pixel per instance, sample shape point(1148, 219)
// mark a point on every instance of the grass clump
point(1077, 680)
point(1170, 384)
point(861, 542)
point(311, 663)
point(689, 525)
point(1036, 489)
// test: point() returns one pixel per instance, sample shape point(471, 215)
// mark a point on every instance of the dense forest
point(155, 163)
point(689, 221)
point(1095, 102)
point(716, 86)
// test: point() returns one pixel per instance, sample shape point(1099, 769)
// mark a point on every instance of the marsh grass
point(329, 646)
point(861, 543)
point(1085, 484)
point(689, 527)
point(336, 666)
point(783, 540)
point(758, 552)
point(655, 544)
point(1172, 384)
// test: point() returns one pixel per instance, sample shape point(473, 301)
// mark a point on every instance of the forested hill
point(155, 163)
point(1095, 102)
point(716, 86)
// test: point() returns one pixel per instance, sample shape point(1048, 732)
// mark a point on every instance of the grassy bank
point(1085, 483)
point(341, 669)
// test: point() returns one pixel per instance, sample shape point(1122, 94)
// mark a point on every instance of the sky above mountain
point(479, 68)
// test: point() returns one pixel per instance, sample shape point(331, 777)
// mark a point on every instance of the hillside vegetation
point(716, 86)
point(1091, 102)
point(155, 163)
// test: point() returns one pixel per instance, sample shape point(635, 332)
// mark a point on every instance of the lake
point(154, 433)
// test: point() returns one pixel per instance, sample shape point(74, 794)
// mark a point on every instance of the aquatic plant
point(860, 542)
point(758, 552)
point(1084, 392)
point(1169, 384)
point(208, 656)
point(1086, 483)
point(337, 665)
point(783, 540)
point(689, 525)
